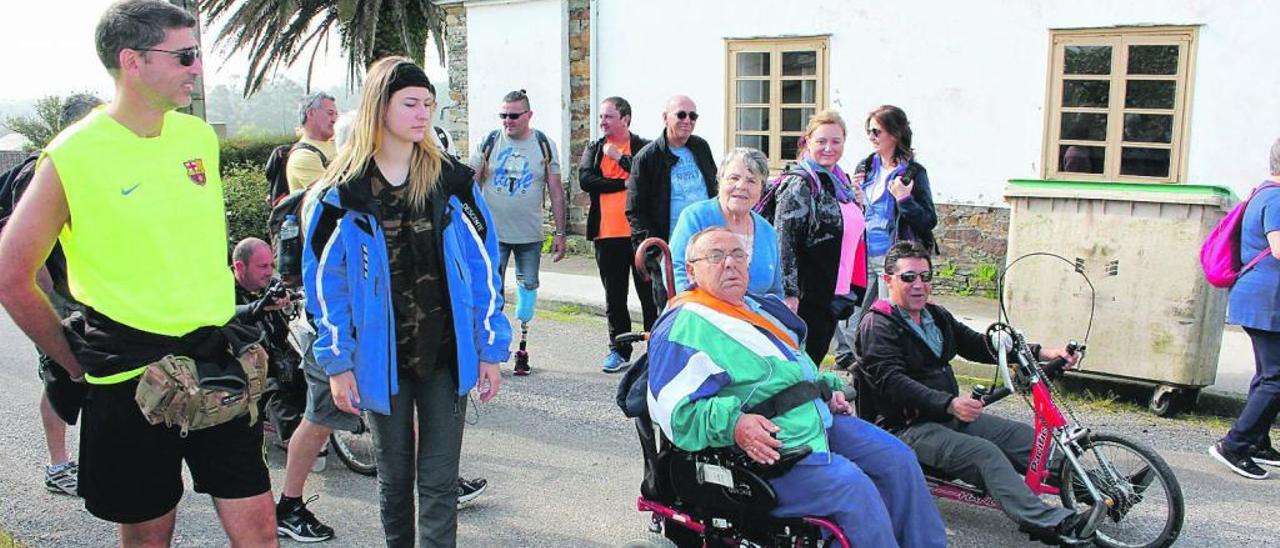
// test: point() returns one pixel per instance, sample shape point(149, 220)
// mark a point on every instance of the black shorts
point(131, 471)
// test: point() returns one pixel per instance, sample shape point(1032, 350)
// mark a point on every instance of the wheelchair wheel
point(355, 449)
point(1149, 507)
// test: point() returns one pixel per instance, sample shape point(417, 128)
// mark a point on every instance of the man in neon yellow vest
point(132, 193)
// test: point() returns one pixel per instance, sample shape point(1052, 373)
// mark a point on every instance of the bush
point(245, 189)
point(251, 152)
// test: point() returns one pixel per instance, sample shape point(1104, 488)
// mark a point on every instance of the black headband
point(408, 75)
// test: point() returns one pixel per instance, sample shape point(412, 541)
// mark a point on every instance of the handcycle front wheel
point(1148, 507)
point(355, 449)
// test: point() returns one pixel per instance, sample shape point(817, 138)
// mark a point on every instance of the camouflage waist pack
point(177, 391)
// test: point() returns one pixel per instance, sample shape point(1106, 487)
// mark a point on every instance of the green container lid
point(1104, 186)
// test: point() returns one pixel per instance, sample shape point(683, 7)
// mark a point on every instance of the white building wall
point(517, 45)
point(970, 75)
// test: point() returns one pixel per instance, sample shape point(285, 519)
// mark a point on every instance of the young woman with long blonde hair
point(404, 292)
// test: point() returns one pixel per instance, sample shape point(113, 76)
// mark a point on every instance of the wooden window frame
point(775, 46)
point(1119, 38)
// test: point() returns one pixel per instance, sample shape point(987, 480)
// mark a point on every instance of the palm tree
point(278, 33)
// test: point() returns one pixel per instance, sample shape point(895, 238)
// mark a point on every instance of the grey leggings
point(434, 469)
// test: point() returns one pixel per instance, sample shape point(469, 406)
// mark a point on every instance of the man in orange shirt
point(602, 173)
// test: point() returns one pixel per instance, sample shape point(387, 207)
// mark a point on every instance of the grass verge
point(7, 540)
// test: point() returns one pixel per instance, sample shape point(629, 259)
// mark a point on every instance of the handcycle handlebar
point(1004, 340)
point(629, 338)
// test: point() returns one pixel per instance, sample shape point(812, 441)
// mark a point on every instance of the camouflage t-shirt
point(423, 324)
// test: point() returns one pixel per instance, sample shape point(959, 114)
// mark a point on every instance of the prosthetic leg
point(526, 299)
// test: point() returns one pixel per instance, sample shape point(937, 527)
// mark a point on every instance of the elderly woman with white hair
point(741, 177)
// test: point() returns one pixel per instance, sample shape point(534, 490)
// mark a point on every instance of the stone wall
point(973, 241)
point(579, 110)
point(455, 44)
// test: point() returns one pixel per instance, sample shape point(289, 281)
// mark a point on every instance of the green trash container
point(1156, 320)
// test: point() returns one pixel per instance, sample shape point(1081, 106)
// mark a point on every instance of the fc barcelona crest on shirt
point(195, 170)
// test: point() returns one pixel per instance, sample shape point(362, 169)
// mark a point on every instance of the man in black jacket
point(665, 174)
point(906, 385)
point(602, 174)
point(672, 172)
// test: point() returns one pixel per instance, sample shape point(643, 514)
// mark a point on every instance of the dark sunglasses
point(186, 57)
point(511, 115)
point(682, 114)
point(874, 132)
point(910, 276)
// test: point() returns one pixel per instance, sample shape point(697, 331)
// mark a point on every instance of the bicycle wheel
point(1149, 508)
point(355, 449)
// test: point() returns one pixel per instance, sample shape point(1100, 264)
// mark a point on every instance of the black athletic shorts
point(131, 471)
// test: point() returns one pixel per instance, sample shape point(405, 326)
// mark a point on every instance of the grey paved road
point(563, 468)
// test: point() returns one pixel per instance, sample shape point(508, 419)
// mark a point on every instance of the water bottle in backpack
point(289, 248)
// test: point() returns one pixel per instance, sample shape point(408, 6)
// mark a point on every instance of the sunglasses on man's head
point(511, 115)
point(186, 56)
point(910, 276)
point(874, 132)
point(682, 114)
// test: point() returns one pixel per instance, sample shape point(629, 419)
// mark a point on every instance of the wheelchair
point(714, 497)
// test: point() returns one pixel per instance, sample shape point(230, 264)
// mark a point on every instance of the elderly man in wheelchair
point(728, 375)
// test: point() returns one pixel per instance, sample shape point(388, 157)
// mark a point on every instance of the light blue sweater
point(765, 272)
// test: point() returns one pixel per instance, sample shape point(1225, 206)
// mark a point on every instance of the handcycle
point(713, 497)
point(1131, 496)
point(286, 393)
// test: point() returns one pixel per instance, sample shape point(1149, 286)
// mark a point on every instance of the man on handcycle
point(904, 347)
point(717, 356)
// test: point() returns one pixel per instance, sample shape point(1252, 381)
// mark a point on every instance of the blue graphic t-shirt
point(687, 184)
point(514, 185)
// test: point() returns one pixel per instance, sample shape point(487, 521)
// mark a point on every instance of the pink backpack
point(1220, 254)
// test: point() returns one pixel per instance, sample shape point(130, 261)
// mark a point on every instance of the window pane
point(1081, 159)
point(758, 142)
point(1148, 128)
point(1079, 126)
point(1086, 93)
point(1087, 60)
point(790, 146)
point(799, 63)
point(794, 119)
point(1153, 59)
point(1144, 162)
point(753, 119)
point(755, 63)
point(1149, 93)
point(753, 91)
point(799, 91)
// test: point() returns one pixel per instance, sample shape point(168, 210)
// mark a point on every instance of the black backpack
point(277, 179)
point(12, 184)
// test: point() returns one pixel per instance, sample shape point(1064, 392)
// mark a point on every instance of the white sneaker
point(321, 461)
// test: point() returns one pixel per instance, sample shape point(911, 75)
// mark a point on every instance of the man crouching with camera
point(261, 298)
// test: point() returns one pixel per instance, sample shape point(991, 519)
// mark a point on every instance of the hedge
point(251, 151)
point(245, 190)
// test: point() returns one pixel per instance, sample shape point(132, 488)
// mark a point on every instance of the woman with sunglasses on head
point(900, 203)
point(400, 328)
point(821, 245)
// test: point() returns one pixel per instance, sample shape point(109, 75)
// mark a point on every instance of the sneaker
point(469, 489)
point(1071, 530)
point(322, 461)
point(614, 363)
point(62, 478)
point(296, 522)
point(522, 363)
point(1240, 464)
point(1268, 456)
